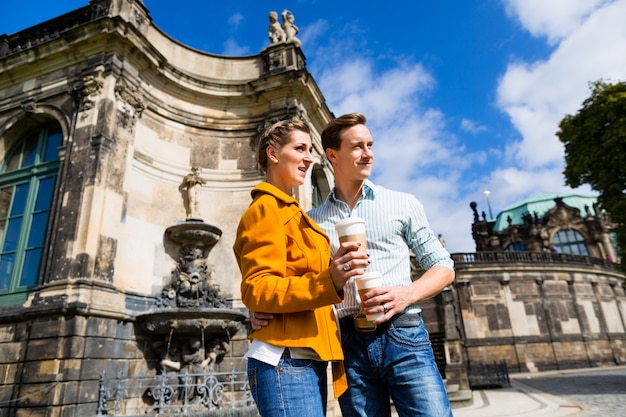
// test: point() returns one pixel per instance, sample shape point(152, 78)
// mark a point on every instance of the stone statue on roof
point(275, 31)
point(285, 32)
point(291, 30)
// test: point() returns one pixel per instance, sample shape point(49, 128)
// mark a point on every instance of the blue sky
point(461, 95)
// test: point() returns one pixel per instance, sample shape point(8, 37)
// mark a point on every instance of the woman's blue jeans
point(294, 388)
point(396, 362)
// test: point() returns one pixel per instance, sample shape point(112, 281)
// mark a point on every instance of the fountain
point(192, 302)
point(190, 330)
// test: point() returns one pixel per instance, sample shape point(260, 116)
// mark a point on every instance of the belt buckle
point(361, 324)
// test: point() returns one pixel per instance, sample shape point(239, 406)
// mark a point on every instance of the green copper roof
point(541, 203)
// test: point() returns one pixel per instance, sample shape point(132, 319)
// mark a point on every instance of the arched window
point(317, 195)
point(320, 185)
point(27, 181)
point(570, 241)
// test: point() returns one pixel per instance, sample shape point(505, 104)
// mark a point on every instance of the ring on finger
point(346, 267)
point(254, 315)
point(385, 309)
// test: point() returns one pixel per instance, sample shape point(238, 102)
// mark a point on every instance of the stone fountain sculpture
point(192, 325)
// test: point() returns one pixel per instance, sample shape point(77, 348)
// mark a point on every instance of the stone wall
point(542, 315)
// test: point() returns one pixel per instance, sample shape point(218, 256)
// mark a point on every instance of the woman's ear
point(272, 154)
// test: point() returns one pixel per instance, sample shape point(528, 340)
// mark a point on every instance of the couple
point(294, 270)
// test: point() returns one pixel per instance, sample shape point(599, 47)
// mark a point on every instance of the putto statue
point(290, 29)
point(275, 31)
point(285, 32)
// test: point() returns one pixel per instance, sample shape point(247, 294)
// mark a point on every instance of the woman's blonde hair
point(277, 135)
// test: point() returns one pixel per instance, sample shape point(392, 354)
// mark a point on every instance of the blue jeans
point(294, 388)
point(396, 362)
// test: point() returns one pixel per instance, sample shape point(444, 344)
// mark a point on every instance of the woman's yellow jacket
point(284, 257)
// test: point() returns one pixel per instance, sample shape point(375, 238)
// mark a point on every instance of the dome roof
point(540, 204)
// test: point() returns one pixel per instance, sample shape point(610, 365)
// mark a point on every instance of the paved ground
point(595, 392)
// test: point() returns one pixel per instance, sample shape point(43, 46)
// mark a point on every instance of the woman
point(287, 270)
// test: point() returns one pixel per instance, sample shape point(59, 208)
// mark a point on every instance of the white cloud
point(537, 95)
point(235, 20)
point(313, 31)
point(232, 48)
point(555, 19)
point(472, 127)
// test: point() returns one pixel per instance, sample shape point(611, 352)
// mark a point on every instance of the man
point(395, 360)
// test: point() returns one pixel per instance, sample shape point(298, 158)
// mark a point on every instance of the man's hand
point(259, 320)
point(394, 300)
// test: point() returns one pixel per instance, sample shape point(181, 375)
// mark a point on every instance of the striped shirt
point(396, 226)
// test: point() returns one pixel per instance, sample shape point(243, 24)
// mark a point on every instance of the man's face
point(354, 158)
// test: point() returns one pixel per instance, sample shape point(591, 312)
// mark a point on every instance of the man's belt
point(399, 320)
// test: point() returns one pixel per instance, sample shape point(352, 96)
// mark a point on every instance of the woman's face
point(288, 165)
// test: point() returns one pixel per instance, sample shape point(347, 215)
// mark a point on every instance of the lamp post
point(487, 194)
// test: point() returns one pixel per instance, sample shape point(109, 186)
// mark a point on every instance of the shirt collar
point(369, 192)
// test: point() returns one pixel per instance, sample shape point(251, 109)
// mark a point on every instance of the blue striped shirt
point(396, 226)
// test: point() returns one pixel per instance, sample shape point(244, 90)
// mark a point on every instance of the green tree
point(595, 150)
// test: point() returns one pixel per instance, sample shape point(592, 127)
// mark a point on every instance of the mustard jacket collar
point(267, 188)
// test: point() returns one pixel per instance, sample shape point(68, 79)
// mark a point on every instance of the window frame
point(565, 243)
point(43, 166)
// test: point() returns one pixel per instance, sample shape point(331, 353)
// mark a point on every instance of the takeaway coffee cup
point(366, 282)
point(352, 229)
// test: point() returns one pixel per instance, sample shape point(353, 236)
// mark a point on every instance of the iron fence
point(180, 393)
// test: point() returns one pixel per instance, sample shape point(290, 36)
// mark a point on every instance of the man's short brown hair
point(331, 135)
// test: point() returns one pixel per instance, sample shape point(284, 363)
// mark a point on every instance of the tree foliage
point(595, 150)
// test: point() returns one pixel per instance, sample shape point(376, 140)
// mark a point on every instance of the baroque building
point(127, 161)
point(542, 291)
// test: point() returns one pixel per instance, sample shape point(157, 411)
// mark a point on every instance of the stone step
point(450, 388)
point(461, 395)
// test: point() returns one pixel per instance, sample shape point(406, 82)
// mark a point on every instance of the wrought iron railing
point(174, 394)
point(529, 257)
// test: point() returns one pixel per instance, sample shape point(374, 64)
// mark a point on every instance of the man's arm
point(397, 299)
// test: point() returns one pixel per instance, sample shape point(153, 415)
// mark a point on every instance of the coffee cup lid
point(370, 274)
point(349, 220)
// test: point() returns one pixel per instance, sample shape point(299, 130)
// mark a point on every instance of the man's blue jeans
point(294, 388)
point(391, 361)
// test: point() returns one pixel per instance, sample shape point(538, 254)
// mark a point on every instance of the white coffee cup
point(352, 229)
point(366, 282)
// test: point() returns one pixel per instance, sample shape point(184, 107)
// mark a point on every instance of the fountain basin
point(190, 322)
point(196, 233)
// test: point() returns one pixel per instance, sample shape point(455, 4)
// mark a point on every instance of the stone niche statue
point(285, 32)
point(192, 183)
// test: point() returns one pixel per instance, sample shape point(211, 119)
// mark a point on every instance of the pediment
point(562, 215)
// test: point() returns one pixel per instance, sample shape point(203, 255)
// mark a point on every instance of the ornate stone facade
point(523, 299)
point(134, 112)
